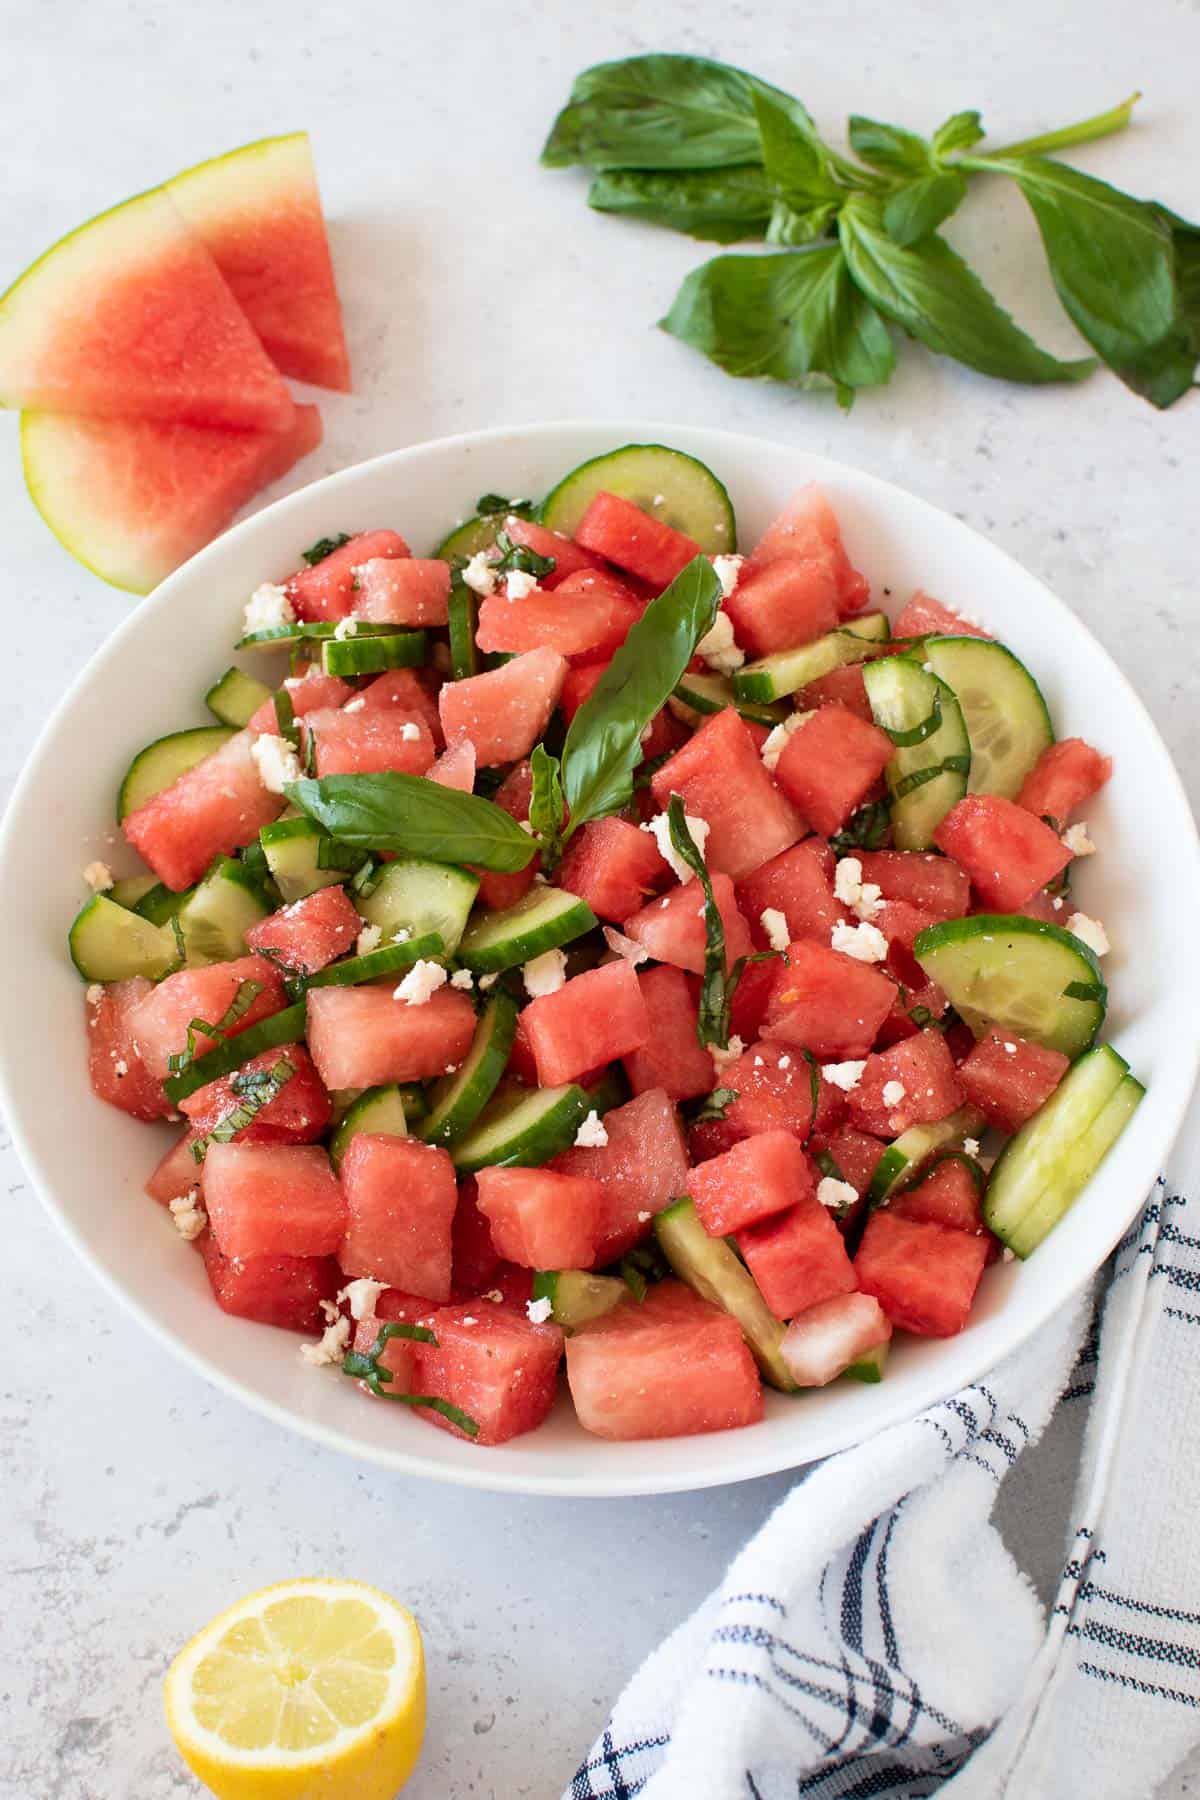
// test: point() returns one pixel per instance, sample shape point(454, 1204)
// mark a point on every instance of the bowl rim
point(963, 1368)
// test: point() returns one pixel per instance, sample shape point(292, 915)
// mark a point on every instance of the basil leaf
point(489, 505)
point(715, 1106)
point(546, 808)
point(792, 152)
point(929, 290)
point(724, 206)
point(712, 1024)
point(603, 743)
point(324, 547)
point(958, 132)
point(794, 229)
point(888, 147)
point(412, 816)
point(796, 318)
point(1186, 239)
point(657, 112)
point(919, 207)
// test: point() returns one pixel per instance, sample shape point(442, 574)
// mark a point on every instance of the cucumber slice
point(870, 1367)
point(389, 959)
point(286, 1027)
point(541, 920)
point(164, 761)
point(378, 1109)
point(928, 773)
point(291, 848)
point(669, 485)
point(710, 1266)
point(1044, 1168)
point(609, 1090)
point(312, 632)
point(216, 915)
point(421, 897)
point(469, 538)
point(577, 1296)
point(459, 1099)
point(159, 903)
point(462, 619)
point(774, 677)
point(521, 1128)
point(133, 888)
point(1021, 975)
point(369, 655)
point(110, 943)
point(699, 695)
point(1006, 717)
point(914, 1149)
point(236, 698)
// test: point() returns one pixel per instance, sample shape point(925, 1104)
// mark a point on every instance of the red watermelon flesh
point(798, 884)
point(922, 1068)
point(494, 1365)
point(672, 1058)
point(841, 687)
point(474, 1259)
point(160, 1021)
point(212, 810)
point(588, 614)
point(117, 1071)
point(751, 997)
point(808, 527)
point(643, 1167)
point(577, 687)
point(409, 692)
point(614, 866)
point(310, 933)
point(398, 1354)
point(364, 1037)
point(367, 741)
point(775, 1091)
point(542, 1218)
point(721, 778)
point(505, 711)
point(827, 1003)
point(401, 1197)
point(592, 1019)
point(672, 929)
point(496, 889)
point(924, 615)
point(901, 923)
point(935, 884)
point(403, 590)
point(830, 764)
point(308, 693)
point(300, 1113)
point(1008, 1078)
point(923, 1275)
point(1065, 775)
point(759, 1176)
point(622, 533)
point(823, 1342)
point(569, 557)
point(855, 1153)
point(272, 1290)
point(798, 1258)
point(273, 1200)
point(177, 1173)
point(948, 1195)
point(456, 768)
point(784, 603)
point(1008, 853)
point(258, 211)
point(326, 590)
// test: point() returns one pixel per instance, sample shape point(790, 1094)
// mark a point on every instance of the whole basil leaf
point(724, 206)
point(796, 318)
point(919, 207)
point(929, 290)
point(958, 132)
point(792, 152)
point(415, 817)
point(657, 112)
point(888, 147)
point(603, 743)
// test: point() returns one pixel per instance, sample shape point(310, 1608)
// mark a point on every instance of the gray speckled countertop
point(479, 290)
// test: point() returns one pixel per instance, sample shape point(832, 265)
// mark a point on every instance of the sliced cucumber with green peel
point(469, 538)
point(462, 619)
point(1020, 975)
point(928, 772)
point(577, 1296)
point(774, 677)
point(389, 959)
point(236, 697)
point(1043, 1169)
point(870, 1366)
point(458, 1099)
point(912, 1152)
point(286, 1027)
point(312, 632)
point(130, 889)
point(421, 897)
point(697, 696)
point(377, 1109)
point(541, 920)
point(671, 486)
point(161, 763)
point(216, 915)
point(108, 942)
point(291, 847)
point(1006, 717)
point(522, 1128)
point(369, 655)
point(710, 1266)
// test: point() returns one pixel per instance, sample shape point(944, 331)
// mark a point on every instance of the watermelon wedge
point(258, 211)
point(133, 498)
point(129, 317)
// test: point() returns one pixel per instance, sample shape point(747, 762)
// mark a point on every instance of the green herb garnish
point(489, 505)
point(520, 557)
point(715, 1106)
point(546, 807)
point(255, 1089)
point(239, 1006)
point(364, 1366)
point(412, 816)
point(867, 829)
point(324, 547)
point(712, 1024)
point(285, 716)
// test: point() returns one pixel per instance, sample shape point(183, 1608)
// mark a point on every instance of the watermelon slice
point(129, 317)
point(258, 211)
point(131, 499)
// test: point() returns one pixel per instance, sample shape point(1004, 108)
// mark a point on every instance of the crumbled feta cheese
point(539, 1311)
point(187, 1214)
point(95, 994)
point(330, 1348)
point(479, 575)
point(775, 924)
point(1090, 932)
point(728, 570)
point(1057, 903)
point(1076, 840)
point(717, 646)
point(421, 983)
point(591, 1134)
point(659, 828)
point(733, 1049)
point(864, 942)
point(462, 978)
point(368, 939)
point(276, 762)
point(621, 945)
point(361, 1296)
point(354, 706)
point(893, 1093)
point(518, 585)
point(410, 731)
point(864, 898)
point(776, 741)
point(844, 1075)
point(120, 1068)
point(545, 974)
point(644, 1218)
point(267, 608)
point(401, 934)
point(345, 628)
point(836, 1194)
point(971, 1146)
point(487, 981)
point(785, 1062)
point(495, 1295)
point(98, 876)
point(1010, 1049)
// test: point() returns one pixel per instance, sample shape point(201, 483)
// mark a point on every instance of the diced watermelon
point(307, 693)
point(613, 866)
point(494, 1365)
point(622, 533)
point(643, 1167)
point(1008, 852)
point(361, 743)
point(827, 1003)
point(409, 692)
point(808, 527)
point(115, 1066)
point(577, 687)
point(505, 711)
point(403, 590)
point(160, 1021)
point(177, 1173)
point(783, 603)
point(823, 1342)
point(299, 1114)
point(948, 1195)
point(397, 1355)
point(592, 1019)
point(1008, 1078)
point(901, 923)
point(669, 1367)
point(935, 884)
point(474, 1259)
point(401, 1197)
point(456, 768)
point(923, 1069)
point(310, 933)
point(662, 737)
point(775, 1091)
point(541, 1218)
point(924, 615)
point(516, 790)
point(672, 1058)
point(759, 1176)
point(721, 779)
point(710, 1137)
point(751, 997)
point(798, 1258)
point(798, 884)
point(325, 590)
point(498, 890)
point(363, 1037)
point(854, 1152)
point(841, 687)
point(1042, 907)
point(569, 557)
point(589, 614)
point(210, 811)
point(1065, 775)
point(672, 929)
point(273, 1200)
point(924, 1276)
point(828, 767)
point(272, 1290)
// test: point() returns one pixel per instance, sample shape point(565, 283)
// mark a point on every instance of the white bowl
point(89, 1161)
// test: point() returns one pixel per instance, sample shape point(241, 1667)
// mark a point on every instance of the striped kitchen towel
point(876, 1638)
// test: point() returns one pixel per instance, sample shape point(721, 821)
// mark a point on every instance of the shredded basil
point(715, 1106)
point(324, 547)
point(365, 1367)
point(489, 505)
point(712, 1023)
point(239, 1006)
point(256, 1089)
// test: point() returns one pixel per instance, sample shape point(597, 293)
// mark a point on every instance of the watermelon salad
point(589, 945)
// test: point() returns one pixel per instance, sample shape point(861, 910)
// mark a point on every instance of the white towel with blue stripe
point(876, 1638)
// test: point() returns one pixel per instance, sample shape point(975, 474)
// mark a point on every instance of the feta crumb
point(591, 1134)
point(401, 934)
point(785, 1062)
point(187, 1214)
point(644, 1218)
point(421, 983)
point(95, 994)
point(518, 585)
point(545, 974)
point(1007, 1255)
point(1076, 840)
point(776, 742)
point(1010, 1049)
point(1090, 932)
point(354, 706)
point(330, 1347)
point(345, 628)
point(539, 1311)
point(1057, 903)
point(733, 1049)
point(659, 828)
point(462, 978)
point(728, 571)
point(864, 942)
point(410, 731)
point(120, 1067)
point(361, 1296)
point(626, 947)
point(368, 939)
point(98, 876)
point(844, 1075)
point(470, 1319)
point(775, 924)
point(267, 608)
point(479, 575)
point(864, 898)
point(971, 1146)
point(276, 762)
point(488, 981)
point(893, 1093)
point(717, 646)
point(836, 1194)
point(495, 1295)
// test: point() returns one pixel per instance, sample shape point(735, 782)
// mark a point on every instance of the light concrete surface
point(479, 290)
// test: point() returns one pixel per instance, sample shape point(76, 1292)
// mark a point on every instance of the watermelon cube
point(474, 1259)
point(614, 866)
point(1007, 851)
point(721, 778)
point(211, 810)
point(1065, 775)
point(300, 1113)
point(592, 1019)
point(783, 603)
point(401, 1197)
point(622, 533)
point(273, 1200)
point(569, 557)
point(672, 1058)
point(775, 1092)
point(588, 614)
point(672, 929)
point(310, 933)
point(494, 1365)
point(326, 590)
point(307, 693)
point(827, 1003)
point(498, 890)
point(830, 765)
point(798, 1258)
point(578, 684)
point(913, 1083)
point(1008, 1078)
point(669, 1367)
point(923, 1275)
point(160, 1020)
point(363, 743)
point(177, 1173)
point(364, 1037)
point(751, 998)
point(949, 1195)
point(902, 924)
point(855, 1154)
point(272, 1290)
point(934, 884)
point(411, 693)
point(841, 687)
point(759, 1176)
point(505, 711)
point(823, 1342)
point(924, 616)
point(115, 1065)
point(642, 1167)
point(807, 527)
point(456, 768)
point(398, 1354)
point(402, 590)
point(541, 1218)
point(799, 884)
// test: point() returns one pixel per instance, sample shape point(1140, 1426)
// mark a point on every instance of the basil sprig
point(412, 816)
point(712, 1024)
